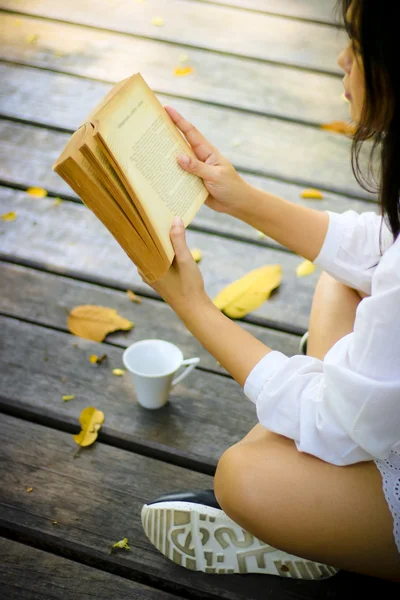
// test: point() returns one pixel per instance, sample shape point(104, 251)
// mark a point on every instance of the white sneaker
point(201, 537)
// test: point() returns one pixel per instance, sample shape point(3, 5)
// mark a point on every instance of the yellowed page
point(99, 162)
point(145, 143)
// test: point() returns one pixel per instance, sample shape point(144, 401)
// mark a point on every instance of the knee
point(232, 480)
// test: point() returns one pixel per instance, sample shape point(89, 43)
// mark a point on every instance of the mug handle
point(192, 362)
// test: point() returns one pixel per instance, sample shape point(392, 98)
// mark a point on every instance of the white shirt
point(346, 408)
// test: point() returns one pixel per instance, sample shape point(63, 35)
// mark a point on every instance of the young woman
point(319, 476)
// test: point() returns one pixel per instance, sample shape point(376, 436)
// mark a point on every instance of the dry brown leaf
point(37, 192)
point(91, 420)
point(312, 194)
point(132, 296)
point(10, 216)
point(342, 127)
point(95, 322)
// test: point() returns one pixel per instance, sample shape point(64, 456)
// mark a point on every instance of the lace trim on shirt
point(390, 471)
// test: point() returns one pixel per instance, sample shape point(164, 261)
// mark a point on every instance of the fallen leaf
point(183, 71)
point(305, 268)
point(312, 194)
point(197, 255)
point(342, 127)
point(248, 293)
point(32, 39)
point(91, 420)
point(183, 58)
point(94, 359)
point(29, 490)
point(57, 201)
point(133, 297)
point(157, 21)
point(55, 523)
point(37, 192)
point(118, 372)
point(95, 322)
point(10, 216)
point(67, 398)
point(122, 544)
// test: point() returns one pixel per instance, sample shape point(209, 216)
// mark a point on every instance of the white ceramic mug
point(152, 365)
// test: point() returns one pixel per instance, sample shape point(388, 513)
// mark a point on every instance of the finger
point(201, 146)
point(195, 166)
point(178, 239)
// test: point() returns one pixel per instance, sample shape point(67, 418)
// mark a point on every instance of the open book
point(122, 163)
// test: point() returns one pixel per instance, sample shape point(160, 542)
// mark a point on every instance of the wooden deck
point(265, 78)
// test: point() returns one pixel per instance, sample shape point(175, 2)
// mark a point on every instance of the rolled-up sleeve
point(346, 408)
point(353, 247)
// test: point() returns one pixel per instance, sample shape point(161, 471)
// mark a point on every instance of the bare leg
point(299, 503)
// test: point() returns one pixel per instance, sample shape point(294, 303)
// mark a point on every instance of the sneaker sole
point(203, 538)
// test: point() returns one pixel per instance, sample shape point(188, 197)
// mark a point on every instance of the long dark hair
point(374, 27)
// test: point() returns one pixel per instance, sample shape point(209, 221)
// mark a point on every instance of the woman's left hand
point(182, 286)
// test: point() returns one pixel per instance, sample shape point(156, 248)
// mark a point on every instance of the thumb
point(195, 166)
point(178, 239)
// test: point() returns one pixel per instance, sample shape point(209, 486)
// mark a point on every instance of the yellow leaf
point(133, 297)
point(91, 420)
point(10, 216)
point(37, 192)
point(94, 359)
point(305, 268)
point(57, 201)
point(312, 194)
point(118, 372)
point(197, 255)
point(157, 21)
point(29, 490)
point(95, 322)
point(67, 398)
point(248, 293)
point(342, 127)
point(122, 544)
point(32, 39)
point(182, 71)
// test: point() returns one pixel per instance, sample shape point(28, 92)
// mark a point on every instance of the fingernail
point(177, 222)
point(184, 159)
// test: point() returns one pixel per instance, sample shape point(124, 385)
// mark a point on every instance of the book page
point(145, 142)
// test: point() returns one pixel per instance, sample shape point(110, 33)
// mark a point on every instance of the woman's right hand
point(228, 190)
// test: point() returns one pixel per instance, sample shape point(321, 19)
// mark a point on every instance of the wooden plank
point(97, 500)
point(72, 237)
point(206, 413)
point(281, 91)
point(313, 10)
point(30, 574)
point(46, 299)
point(297, 153)
point(207, 26)
point(38, 151)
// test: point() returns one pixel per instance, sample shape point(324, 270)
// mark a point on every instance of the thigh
point(305, 506)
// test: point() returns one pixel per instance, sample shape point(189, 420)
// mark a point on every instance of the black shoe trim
point(206, 497)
